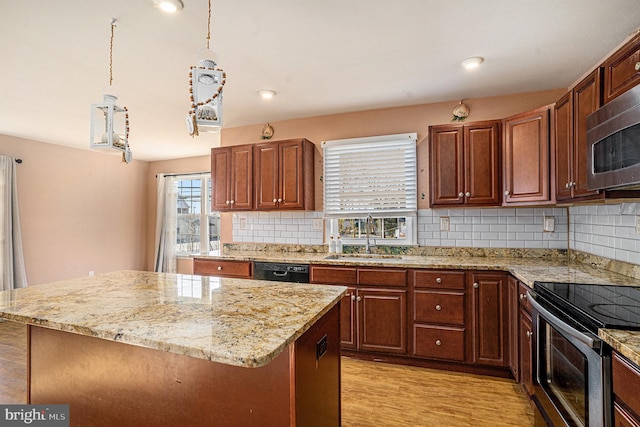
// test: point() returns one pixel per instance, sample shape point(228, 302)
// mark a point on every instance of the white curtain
point(166, 224)
point(11, 256)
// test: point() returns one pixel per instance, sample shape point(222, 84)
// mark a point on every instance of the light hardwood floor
point(373, 394)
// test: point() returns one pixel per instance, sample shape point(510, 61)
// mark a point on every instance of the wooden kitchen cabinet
point(622, 69)
point(570, 131)
point(223, 268)
point(438, 315)
point(526, 153)
point(465, 164)
point(487, 314)
point(284, 175)
point(232, 178)
point(374, 310)
point(626, 382)
point(514, 330)
point(526, 351)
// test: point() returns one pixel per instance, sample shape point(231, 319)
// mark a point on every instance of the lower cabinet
point(223, 268)
point(626, 383)
point(520, 335)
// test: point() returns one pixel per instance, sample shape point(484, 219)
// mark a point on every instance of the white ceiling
point(320, 56)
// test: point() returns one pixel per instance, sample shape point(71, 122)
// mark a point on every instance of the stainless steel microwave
point(613, 138)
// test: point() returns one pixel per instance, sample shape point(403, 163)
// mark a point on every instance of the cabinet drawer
point(333, 275)
point(622, 418)
point(438, 279)
point(210, 267)
point(522, 296)
point(438, 307)
point(626, 381)
point(438, 342)
point(382, 276)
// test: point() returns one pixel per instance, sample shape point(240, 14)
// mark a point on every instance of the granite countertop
point(231, 321)
point(526, 269)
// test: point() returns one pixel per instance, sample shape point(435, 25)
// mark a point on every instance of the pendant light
point(109, 121)
point(206, 81)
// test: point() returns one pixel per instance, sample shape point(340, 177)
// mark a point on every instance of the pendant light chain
point(113, 24)
point(209, 25)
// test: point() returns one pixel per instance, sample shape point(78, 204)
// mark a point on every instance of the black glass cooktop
point(595, 306)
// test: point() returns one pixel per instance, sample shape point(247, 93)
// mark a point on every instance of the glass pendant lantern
point(109, 121)
point(206, 81)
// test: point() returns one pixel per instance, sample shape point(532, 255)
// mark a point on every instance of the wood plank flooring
point(373, 393)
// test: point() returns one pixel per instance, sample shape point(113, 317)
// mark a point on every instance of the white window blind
point(375, 175)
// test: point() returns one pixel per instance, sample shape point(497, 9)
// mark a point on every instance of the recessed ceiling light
point(266, 93)
point(169, 6)
point(473, 62)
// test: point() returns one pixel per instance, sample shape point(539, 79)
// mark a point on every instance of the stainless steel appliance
point(613, 138)
point(572, 365)
point(281, 272)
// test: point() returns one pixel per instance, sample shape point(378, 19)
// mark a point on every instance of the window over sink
point(372, 176)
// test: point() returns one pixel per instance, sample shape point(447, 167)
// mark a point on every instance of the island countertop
point(232, 321)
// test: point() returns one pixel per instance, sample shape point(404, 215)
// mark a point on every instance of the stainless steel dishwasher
point(281, 272)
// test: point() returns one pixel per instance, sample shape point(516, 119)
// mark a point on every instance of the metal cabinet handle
point(523, 297)
point(567, 185)
point(219, 268)
point(226, 202)
point(359, 299)
point(353, 297)
point(637, 67)
point(438, 307)
point(279, 200)
point(529, 334)
point(275, 201)
point(468, 194)
point(438, 342)
point(506, 192)
point(233, 202)
point(461, 194)
point(438, 280)
point(476, 285)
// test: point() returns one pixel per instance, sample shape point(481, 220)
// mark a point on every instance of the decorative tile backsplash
point(278, 227)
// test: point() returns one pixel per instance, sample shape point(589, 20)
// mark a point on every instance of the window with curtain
point(371, 176)
point(185, 224)
point(13, 273)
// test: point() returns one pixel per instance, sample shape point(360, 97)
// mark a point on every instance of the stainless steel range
point(572, 365)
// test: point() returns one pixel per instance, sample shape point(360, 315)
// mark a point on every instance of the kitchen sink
point(362, 257)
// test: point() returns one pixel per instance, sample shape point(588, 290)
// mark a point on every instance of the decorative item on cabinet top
point(267, 131)
point(460, 112)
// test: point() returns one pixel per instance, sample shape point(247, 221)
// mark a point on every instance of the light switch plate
point(445, 223)
point(317, 224)
point(243, 223)
point(549, 224)
point(637, 224)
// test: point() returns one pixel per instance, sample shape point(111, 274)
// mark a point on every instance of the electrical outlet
point(92, 273)
point(445, 223)
point(549, 224)
point(317, 224)
point(243, 223)
point(637, 224)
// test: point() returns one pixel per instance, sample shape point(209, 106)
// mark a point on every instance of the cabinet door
point(620, 70)
point(290, 190)
point(447, 169)
point(563, 129)
point(514, 327)
point(526, 351)
point(482, 164)
point(587, 98)
point(348, 319)
point(266, 175)
point(526, 157)
point(382, 320)
point(221, 179)
point(488, 316)
point(241, 187)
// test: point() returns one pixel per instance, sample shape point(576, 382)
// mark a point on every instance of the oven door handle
point(589, 340)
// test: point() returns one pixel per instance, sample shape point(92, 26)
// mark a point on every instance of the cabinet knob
point(476, 285)
point(438, 280)
point(438, 307)
point(275, 201)
point(461, 194)
point(226, 202)
point(468, 194)
point(637, 67)
point(219, 268)
point(280, 200)
point(353, 297)
point(359, 299)
point(523, 297)
point(567, 185)
point(233, 202)
point(507, 192)
point(529, 334)
point(438, 342)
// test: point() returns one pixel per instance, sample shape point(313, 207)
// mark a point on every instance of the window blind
point(375, 175)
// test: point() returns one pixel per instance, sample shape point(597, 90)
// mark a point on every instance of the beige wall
point(80, 210)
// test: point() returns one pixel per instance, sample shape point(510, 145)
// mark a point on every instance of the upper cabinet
point(232, 178)
point(571, 148)
point(465, 164)
point(622, 70)
point(526, 161)
point(283, 175)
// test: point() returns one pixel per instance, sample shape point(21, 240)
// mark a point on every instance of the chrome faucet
point(368, 227)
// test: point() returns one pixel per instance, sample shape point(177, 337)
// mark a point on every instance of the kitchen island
point(140, 348)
